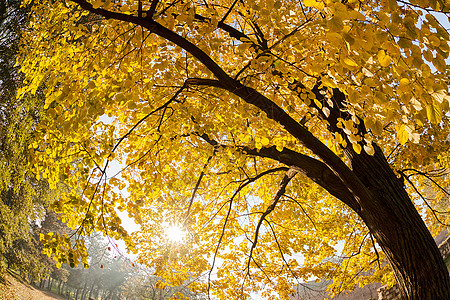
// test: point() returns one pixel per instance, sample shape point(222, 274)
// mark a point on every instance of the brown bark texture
point(400, 231)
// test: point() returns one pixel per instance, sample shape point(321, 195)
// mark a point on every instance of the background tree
point(22, 197)
point(107, 271)
point(50, 223)
point(270, 131)
point(142, 284)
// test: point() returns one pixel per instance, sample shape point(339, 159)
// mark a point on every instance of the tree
point(106, 273)
point(266, 129)
point(143, 285)
point(50, 223)
point(22, 197)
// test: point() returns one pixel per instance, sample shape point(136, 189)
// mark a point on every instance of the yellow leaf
point(314, 3)
point(404, 85)
point(434, 113)
point(265, 141)
point(377, 127)
point(380, 97)
point(357, 148)
point(416, 104)
point(415, 137)
point(383, 58)
point(402, 134)
point(318, 104)
point(97, 3)
point(350, 62)
point(369, 149)
point(367, 72)
point(404, 82)
point(440, 96)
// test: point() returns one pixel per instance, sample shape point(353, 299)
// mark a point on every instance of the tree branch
point(152, 9)
point(196, 188)
point(433, 211)
point(304, 211)
point(249, 95)
point(310, 167)
point(164, 106)
point(281, 252)
point(284, 182)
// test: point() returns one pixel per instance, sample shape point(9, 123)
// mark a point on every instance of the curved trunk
point(393, 220)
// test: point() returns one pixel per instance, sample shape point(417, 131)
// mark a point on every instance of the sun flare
point(174, 233)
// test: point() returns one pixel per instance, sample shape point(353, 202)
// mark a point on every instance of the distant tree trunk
point(61, 284)
point(50, 283)
point(117, 295)
point(83, 293)
point(79, 293)
point(91, 291)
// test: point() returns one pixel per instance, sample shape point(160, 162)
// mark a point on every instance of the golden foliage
point(116, 92)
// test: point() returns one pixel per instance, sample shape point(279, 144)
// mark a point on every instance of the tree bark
point(399, 230)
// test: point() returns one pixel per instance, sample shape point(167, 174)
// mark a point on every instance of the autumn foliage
point(253, 125)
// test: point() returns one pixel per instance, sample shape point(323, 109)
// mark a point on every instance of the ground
point(13, 288)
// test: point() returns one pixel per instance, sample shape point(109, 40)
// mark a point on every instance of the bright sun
point(174, 232)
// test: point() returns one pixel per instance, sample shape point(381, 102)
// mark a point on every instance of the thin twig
point(376, 251)
point(433, 211)
point(144, 118)
point(202, 173)
point(244, 184)
point(284, 182)
point(229, 11)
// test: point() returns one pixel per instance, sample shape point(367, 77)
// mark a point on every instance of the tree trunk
point(91, 291)
point(50, 283)
point(59, 286)
point(83, 293)
point(393, 220)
